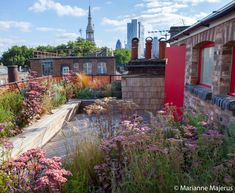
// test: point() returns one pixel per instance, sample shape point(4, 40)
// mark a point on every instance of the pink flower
point(8, 145)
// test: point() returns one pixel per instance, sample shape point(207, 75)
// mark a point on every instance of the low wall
point(215, 114)
point(146, 91)
point(42, 131)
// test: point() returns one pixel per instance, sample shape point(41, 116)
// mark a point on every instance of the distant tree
point(47, 48)
point(123, 56)
point(81, 47)
point(17, 55)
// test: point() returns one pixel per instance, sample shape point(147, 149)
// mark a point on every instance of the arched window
point(206, 64)
point(87, 68)
point(101, 68)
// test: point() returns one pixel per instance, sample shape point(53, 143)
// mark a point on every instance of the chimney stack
point(135, 48)
point(13, 74)
point(148, 45)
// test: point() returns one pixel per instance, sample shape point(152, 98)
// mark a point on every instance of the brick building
point(210, 65)
point(59, 65)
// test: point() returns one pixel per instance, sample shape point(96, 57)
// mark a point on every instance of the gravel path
point(69, 137)
point(80, 128)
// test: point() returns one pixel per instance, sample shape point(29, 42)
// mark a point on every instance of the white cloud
point(118, 25)
point(139, 5)
point(60, 9)
point(49, 29)
point(159, 15)
point(68, 36)
point(113, 22)
point(20, 25)
point(195, 2)
point(201, 15)
point(6, 43)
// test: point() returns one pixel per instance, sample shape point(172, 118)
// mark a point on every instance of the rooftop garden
point(127, 154)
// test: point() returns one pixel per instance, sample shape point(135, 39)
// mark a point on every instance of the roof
point(205, 22)
point(74, 57)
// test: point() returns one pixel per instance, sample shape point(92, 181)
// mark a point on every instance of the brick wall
point(36, 64)
point(213, 113)
point(223, 36)
point(147, 92)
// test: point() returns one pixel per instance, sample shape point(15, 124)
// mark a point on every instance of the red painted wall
point(174, 76)
point(232, 87)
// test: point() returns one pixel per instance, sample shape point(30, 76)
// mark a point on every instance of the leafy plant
point(85, 93)
point(83, 160)
point(12, 102)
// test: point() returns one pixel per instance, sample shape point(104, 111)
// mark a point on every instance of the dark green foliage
point(17, 55)
point(85, 93)
point(123, 56)
point(117, 89)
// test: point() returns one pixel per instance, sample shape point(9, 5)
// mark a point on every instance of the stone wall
point(147, 92)
point(214, 114)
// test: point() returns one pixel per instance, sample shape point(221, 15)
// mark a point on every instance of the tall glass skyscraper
point(135, 29)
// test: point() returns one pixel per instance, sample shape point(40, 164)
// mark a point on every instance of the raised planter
point(38, 134)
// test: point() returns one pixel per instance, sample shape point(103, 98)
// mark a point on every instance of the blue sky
point(42, 22)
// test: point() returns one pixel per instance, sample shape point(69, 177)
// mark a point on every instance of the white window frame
point(101, 68)
point(207, 65)
point(87, 68)
point(65, 70)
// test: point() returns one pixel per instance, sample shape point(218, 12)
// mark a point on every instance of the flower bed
point(135, 156)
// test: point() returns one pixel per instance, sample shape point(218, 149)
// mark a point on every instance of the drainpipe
point(13, 74)
point(148, 45)
point(134, 50)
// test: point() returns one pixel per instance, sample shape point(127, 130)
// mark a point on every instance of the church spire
point(89, 29)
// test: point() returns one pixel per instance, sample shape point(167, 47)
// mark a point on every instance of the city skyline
point(43, 22)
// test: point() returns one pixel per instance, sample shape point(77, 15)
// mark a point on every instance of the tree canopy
point(20, 55)
point(123, 56)
point(17, 55)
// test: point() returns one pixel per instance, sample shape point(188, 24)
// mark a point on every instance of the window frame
point(232, 83)
point(207, 45)
point(86, 64)
point(65, 67)
point(104, 66)
point(51, 71)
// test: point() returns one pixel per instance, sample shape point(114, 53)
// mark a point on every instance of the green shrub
point(12, 102)
point(117, 89)
point(58, 95)
point(84, 93)
point(116, 85)
point(47, 104)
point(5, 116)
point(84, 158)
point(108, 90)
point(4, 181)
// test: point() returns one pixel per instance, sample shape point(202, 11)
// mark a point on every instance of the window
point(206, 64)
point(232, 85)
point(65, 70)
point(47, 68)
point(87, 68)
point(101, 68)
point(76, 65)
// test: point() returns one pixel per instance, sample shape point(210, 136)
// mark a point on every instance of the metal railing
point(20, 85)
